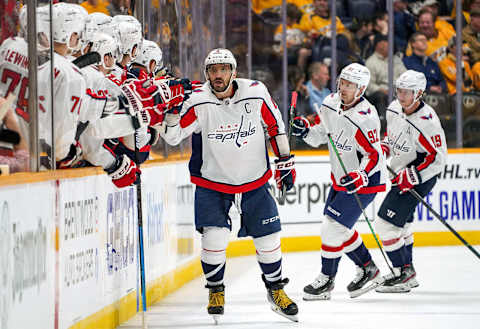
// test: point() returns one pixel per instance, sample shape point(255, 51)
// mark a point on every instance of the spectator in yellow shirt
point(440, 24)
point(471, 35)
point(259, 6)
point(476, 76)
point(449, 69)
point(319, 22)
point(297, 54)
point(437, 40)
point(96, 6)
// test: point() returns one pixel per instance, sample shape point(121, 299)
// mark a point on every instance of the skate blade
point(413, 283)
point(393, 289)
point(376, 282)
point(216, 318)
point(323, 296)
point(277, 310)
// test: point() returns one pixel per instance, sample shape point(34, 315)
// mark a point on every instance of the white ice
point(448, 297)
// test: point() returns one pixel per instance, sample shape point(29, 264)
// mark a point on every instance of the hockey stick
point(437, 215)
point(87, 59)
point(293, 105)
point(140, 236)
point(140, 220)
point(359, 202)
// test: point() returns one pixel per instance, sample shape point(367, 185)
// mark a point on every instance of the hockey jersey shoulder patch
point(427, 117)
point(365, 112)
point(254, 83)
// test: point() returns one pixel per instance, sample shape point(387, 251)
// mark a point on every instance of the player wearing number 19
point(415, 141)
point(354, 126)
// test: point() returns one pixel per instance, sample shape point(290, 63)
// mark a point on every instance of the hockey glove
point(138, 97)
point(407, 179)
point(72, 158)
point(354, 181)
point(124, 172)
point(385, 149)
point(285, 173)
point(174, 106)
point(300, 127)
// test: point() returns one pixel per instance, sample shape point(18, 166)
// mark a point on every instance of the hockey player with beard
point(416, 143)
point(354, 126)
point(229, 119)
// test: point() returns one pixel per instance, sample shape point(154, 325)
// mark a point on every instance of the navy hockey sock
point(408, 253)
point(213, 273)
point(398, 257)
point(272, 271)
point(330, 266)
point(360, 255)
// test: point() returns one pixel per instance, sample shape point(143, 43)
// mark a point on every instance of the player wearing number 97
point(354, 127)
point(415, 141)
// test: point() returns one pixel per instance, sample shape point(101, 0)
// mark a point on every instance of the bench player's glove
point(285, 173)
point(354, 181)
point(124, 172)
point(406, 179)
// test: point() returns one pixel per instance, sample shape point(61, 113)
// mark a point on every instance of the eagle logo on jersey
point(233, 132)
point(368, 111)
point(427, 117)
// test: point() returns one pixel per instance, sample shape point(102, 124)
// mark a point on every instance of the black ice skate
point(216, 301)
point(320, 288)
point(368, 278)
point(398, 283)
point(279, 300)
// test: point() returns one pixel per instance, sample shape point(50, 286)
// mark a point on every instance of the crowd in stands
point(424, 40)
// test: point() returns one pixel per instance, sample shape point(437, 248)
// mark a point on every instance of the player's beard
point(219, 88)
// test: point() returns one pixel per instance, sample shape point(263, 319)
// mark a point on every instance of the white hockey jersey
point(14, 78)
point(105, 121)
point(417, 139)
point(229, 151)
point(356, 135)
point(69, 95)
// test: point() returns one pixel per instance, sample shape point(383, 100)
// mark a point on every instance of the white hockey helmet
point(219, 56)
point(358, 74)
point(126, 18)
point(43, 26)
point(104, 44)
point(67, 20)
point(129, 38)
point(412, 80)
point(22, 17)
point(150, 52)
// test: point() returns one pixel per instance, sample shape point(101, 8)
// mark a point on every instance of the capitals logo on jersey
point(342, 144)
point(397, 143)
point(237, 133)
